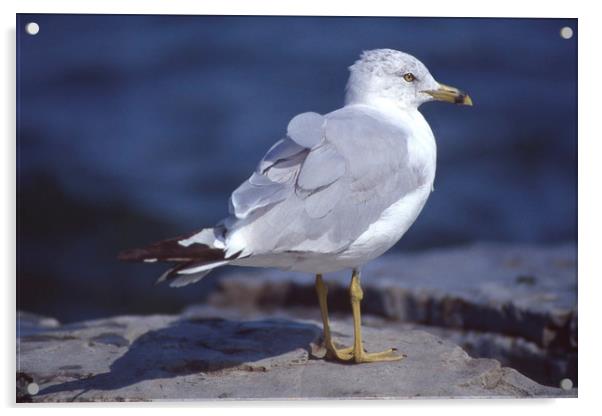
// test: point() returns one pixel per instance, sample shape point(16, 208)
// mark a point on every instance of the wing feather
point(322, 166)
point(324, 188)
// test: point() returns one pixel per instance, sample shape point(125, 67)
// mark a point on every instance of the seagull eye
point(409, 77)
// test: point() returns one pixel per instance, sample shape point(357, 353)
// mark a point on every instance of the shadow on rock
point(199, 346)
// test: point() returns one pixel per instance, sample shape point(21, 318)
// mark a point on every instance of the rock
point(509, 294)
point(199, 356)
point(30, 323)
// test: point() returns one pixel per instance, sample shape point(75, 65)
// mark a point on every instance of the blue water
point(135, 128)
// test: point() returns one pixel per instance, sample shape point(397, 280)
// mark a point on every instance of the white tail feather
point(188, 279)
point(203, 267)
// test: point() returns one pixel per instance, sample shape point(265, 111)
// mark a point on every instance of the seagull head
point(390, 76)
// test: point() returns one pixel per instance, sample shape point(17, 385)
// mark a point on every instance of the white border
point(590, 149)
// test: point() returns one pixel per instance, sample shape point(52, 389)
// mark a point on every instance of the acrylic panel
point(133, 129)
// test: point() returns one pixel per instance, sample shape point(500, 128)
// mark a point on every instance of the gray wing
point(324, 184)
point(274, 179)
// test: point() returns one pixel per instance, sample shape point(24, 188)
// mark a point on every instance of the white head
point(387, 75)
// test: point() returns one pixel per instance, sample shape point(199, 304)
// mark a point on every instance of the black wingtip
point(171, 251)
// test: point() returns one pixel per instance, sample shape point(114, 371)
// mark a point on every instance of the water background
point(137, 128)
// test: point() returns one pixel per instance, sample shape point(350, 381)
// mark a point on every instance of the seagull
point(337, 191)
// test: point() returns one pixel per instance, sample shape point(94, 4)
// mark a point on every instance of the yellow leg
point(359, 355)
point(332, 351)
point(356, 352)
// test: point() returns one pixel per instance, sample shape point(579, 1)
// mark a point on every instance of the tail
point(195, 256)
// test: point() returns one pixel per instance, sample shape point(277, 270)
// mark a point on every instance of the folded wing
point(323, 185)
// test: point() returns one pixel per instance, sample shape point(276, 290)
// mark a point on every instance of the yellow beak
point(450, 94)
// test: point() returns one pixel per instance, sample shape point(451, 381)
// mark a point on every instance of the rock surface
point(200, 356)
point(515, 303)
